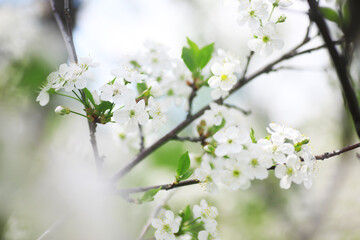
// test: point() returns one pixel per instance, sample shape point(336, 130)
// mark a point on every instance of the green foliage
point(196, 59)
point(183, 170)
point(189, 224)
point(167, 155)
point(149, 195)
point(89, 96)
point(214, 129)
point(252, 136)
point(330, 14)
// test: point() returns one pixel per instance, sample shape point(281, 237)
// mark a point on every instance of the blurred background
point(48, 183)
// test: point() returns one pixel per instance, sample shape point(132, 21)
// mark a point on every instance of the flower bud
point(281, 19)
point(61, 110)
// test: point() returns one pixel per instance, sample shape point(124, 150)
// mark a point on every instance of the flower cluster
point(68, 77)
point(207, 214)
point(258, 15)
point(233, 157)
point(199, 223)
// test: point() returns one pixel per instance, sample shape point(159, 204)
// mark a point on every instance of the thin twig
point(245, 112)
point(163, 187)
point(142, 139)
point(98, 159)
point(58, 222)
point(338, 152)
point(191, 98)
point(247, 63)
point(189, 139)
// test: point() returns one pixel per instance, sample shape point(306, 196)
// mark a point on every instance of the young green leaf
point(183, 165)
point(330, 14)
point(103, 106)
point(89, 96)
point(192, 45)
point(205, 55)
point(186, 175)
point(190, 59)
point(212, 130)
point(252, 136)
point(149, 195)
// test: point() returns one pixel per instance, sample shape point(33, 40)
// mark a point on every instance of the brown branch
point(189, 139)
point(245, 112)
point(163, 187)
point(336, 153)
point(340, 65)
point(142, 138)
point(98, 160)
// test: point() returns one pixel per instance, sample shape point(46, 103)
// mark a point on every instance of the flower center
point(167, 228)
point(290, 171)
point(254, 162)
point(236, 173)
point(266, 39)
point(224, 77)
point(252, 13)
point(132, 113)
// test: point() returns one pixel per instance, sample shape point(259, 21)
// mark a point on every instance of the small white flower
point(208, 235)
point(205, 174)
point(224, 76)
point(132, 115)
point(230, 140)
point(118, 93)
point(235, 176)
point(277, 150)
point(207, 214)
point(166, 227)
point(265, 42)
point(290, 172)
point(43, 97)
point(256, 12)
point(129, 74)
point(215, 115)
point(280, 132)
point(156, 112)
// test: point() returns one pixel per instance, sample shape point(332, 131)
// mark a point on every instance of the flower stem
point(272, 10)
point(65, 95)
point(79, 114)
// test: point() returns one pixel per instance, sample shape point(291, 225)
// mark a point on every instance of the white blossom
point(128, 73)
point(166, 227)
point(265, 41)
point(253, 15)
point(224, 77)
point(230, 140)
point(207, 214)
point(132, 115)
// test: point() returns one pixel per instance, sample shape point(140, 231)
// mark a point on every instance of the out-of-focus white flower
point(156, 112)
point(207, 214)
point(235, 175)
point(166, 227)
point(118, 93)
point(208, 235)
point(132, 115)
point(205, 174)
point(280, 132)
point(128, 73)
point(215, 115)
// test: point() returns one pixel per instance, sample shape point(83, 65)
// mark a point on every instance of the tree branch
point(339, 64)
point(242, 82)
point(195, 181)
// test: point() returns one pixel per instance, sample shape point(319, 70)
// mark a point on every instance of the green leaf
point(89, 96)
point(183, 165)
point(149, 195)
point(330, 14)
point(214, 129)
point(205, 55)
point(192, 45)
point(190, 59)
point(141, 87)
point(103, 106)
point(346, 18)
point(252, 136)
point(186, 175)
